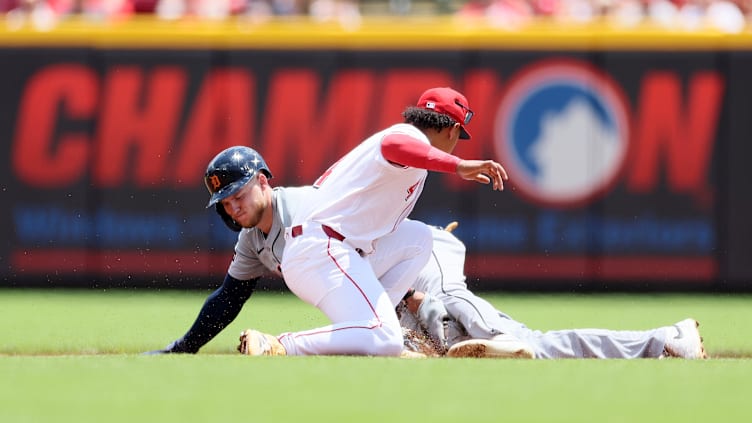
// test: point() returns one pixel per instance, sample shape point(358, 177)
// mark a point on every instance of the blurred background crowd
point(725, 15)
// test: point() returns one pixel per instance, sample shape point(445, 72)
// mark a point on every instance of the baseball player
point(474, 328)
point(261, 242)
point(238, 181)
point(360, 207)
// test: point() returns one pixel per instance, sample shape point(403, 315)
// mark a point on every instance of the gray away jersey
point(257, 254)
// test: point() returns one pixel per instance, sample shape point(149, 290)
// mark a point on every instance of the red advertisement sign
point(617, 161)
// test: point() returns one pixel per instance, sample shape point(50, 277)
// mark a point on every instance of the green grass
point(73, 356)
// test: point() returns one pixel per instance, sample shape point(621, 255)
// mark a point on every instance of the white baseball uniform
point(353, 254)
point(444, 278)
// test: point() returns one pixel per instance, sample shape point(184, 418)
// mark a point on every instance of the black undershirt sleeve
point(219, 310)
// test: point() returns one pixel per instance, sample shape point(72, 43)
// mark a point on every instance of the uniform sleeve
point(246, 263)
point(407, 151)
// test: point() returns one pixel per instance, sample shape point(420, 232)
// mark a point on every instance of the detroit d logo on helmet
point(215, 183)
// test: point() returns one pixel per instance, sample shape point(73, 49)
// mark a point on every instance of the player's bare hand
point(483, 171)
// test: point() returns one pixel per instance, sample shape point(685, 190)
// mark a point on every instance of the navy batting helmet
point(230, 170)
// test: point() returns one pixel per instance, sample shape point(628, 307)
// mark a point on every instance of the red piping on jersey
point(408, 151)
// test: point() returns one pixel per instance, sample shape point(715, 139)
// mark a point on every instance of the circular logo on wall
point(562, 132)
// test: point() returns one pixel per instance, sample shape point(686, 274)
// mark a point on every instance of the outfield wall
point(627, 149)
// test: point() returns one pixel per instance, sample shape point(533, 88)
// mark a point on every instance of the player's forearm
point(218, 311)
point(408, 151)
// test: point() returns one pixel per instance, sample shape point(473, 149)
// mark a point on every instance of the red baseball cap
point(448, 102)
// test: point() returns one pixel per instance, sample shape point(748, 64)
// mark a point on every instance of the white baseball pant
point(358, 294)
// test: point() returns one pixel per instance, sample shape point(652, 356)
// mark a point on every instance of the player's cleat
point(253, 342)
point(685, 341)
point(501, 346)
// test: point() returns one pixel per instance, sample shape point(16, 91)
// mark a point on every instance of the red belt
point(331, 233)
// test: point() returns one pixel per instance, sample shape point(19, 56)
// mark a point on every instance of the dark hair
point(427, 119)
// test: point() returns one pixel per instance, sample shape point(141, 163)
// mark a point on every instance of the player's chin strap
point(233, 225)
